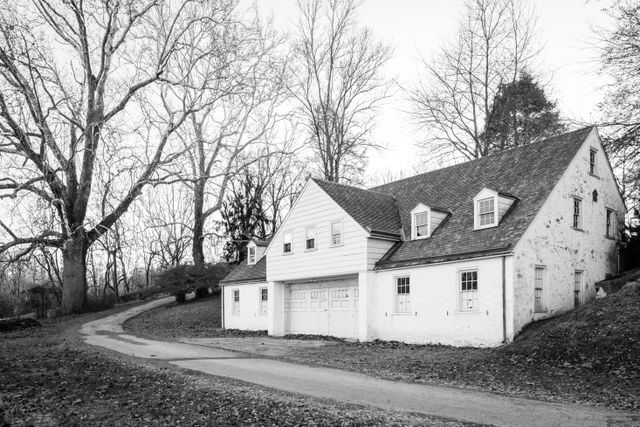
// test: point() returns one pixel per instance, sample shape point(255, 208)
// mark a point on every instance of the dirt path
point(346, 386)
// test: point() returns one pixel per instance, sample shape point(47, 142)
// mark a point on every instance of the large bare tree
point(75, 75)
point(339, 84)
point(452, 102)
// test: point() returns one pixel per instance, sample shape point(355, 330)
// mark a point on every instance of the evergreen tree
point(244, 217)
point(520, 114)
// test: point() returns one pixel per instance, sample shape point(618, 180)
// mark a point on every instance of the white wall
point(249, 317)
point(552, 242)
point(435, 316)
point(314, 207)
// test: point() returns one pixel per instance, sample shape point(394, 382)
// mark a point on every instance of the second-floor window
point(311, 238)
point(251, 254)
point(577, 213)
point(336, 233)
point(610, 223)
point(593, 167)
point(287, 241)
point(486, 212)
point(421, 221)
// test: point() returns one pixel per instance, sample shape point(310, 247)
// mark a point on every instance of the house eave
point(387, 265)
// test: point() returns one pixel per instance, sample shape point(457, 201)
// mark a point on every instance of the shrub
point(183, 279)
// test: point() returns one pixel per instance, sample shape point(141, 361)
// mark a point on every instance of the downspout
point(504, 300)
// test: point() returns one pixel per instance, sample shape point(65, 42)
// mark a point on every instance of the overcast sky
point(417, 27)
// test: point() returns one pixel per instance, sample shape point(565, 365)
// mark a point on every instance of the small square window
point(287, 242)
point(311, 238)
point(336, 233)
point(403, 292)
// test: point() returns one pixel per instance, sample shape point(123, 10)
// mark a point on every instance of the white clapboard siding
point(315, 208)
point(436, 219)
point(504, 203)
point(376, 248)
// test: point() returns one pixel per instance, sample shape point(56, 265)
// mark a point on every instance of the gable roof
point(376, 212)
point(528, 174)
point(244, 272)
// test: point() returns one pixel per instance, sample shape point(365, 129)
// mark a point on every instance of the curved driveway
point(348, 387)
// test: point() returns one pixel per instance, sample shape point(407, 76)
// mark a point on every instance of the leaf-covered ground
point(48, 377)
point(193, 319)
point(590, 355)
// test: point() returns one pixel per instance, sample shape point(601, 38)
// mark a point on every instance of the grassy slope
point(590, 355)
point(48, 377)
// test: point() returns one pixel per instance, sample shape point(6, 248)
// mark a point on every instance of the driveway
point(342, 385)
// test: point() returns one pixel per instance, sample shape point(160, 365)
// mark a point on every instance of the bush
point(183, 279)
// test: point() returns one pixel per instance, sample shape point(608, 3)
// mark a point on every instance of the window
point(594, 195)
point(252, 254)
point(421, 223)
point(264, 301)
point(577, 288)
point(311, 238)
point(593, 170)
point(403, 293)
point(539, 290)
point(486, 212)
point(468, 290)
point(236, 301)
point(577, 213)
point(336, 233)
point(287, 242)
point(610, 224)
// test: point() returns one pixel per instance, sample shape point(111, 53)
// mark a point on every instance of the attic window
point(251, 255)
point(420, 222)
point(594, 195)
point(593, 166)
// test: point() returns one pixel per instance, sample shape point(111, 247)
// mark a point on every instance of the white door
point(323, 308)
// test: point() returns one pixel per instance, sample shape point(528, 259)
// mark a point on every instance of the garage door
point(323, 308)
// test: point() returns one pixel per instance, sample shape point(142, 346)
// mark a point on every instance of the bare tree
point(71, 73)
point(242, 112)
point(452, 100)
point(338, 83)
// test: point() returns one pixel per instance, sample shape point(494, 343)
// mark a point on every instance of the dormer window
point(420, 222)
point(485, 209)
point(251, 254)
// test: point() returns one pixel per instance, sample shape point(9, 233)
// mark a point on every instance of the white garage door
point(323, 308)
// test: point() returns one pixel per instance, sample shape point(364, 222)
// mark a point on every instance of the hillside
point(602, 336)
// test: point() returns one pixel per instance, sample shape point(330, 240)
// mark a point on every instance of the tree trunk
point(74, 274)
point(197, 250)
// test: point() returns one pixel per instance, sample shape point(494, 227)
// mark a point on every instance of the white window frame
point(251, 258)
point(290, 242)
point(235, 301)
point(610, 223)
point(539, 300)
point(480, 197)
point(263, 304)
point(402, 300)
point(306, 238)
point(331, 233)
point(420, 210)
point(593, 167)
point(463, 295)
point(576, 218)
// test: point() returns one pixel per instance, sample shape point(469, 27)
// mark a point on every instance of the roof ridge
point(497, 153)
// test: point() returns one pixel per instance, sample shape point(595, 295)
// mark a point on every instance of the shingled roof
point(244, 272)
point(528, 173)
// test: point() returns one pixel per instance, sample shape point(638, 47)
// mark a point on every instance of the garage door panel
point(323, 308)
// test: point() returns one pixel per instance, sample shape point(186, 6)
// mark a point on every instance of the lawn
point(49, 377)
point(590, 355)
